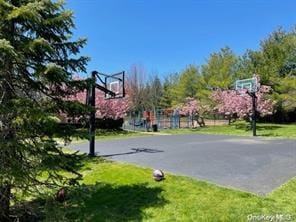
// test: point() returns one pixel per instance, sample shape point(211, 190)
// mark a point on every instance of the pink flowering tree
point(193, 108)
point(105, 108)
point(111, 108)
point(189, 107)
point(234, 104)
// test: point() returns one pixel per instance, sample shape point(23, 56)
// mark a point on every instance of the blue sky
point(166, 35)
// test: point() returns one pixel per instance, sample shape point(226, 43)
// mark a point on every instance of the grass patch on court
point(242, 129)
point(122, 192)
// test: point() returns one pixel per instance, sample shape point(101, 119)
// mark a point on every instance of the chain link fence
point(169, 119)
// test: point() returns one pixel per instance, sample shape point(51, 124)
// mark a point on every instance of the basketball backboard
point(115, 83)
point(250, 85)
point(111, 85)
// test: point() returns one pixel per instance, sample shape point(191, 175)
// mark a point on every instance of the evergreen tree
point(155, 93)
point(275, 63)
point(249, 64)
point(37, 58)
point(169, 92)
point(220, 70)
point(278, 67)
point(188, 83)
point(166, 100)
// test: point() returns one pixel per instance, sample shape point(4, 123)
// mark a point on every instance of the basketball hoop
point(251, 87)
point(115, 83)
point(113, 87)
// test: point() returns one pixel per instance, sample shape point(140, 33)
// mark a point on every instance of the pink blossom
point(111, 108)
point(231, 102)
point(189, 107)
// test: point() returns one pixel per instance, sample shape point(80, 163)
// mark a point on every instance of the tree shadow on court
point(100, 202)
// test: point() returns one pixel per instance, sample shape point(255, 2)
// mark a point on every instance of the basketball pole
point(92, 117)
point(252, 87)
point(253, 94)
point(92, 103)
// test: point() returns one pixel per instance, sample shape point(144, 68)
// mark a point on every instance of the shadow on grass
point(199, 128)
point(247, 127)
point(272, 127)
point(83, 134)
point(101, 202)
point(266, 134)
point(104, 132)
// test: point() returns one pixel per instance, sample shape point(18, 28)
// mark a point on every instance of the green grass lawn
point(102, 134)
point(237, 129)
point(121, 192)
point(242, 129)
point(110, 135)
point(113, 191)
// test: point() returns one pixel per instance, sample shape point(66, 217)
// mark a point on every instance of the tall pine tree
point(188, 83)
point(220, 70)
point(37, 58)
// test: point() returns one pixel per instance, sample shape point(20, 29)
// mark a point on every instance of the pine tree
point(37, 58)
point(275, 63)
point(166, 99)
point(155, 93)
point(169, 92)
point(188, 83)
point(220, 70)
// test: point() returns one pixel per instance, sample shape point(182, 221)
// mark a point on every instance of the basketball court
point(251, 164)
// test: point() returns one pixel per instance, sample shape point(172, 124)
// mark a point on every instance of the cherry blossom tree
point(189, 107)
point(105, 108)
point(232, 103)
point(194, 109)
point(111, 108)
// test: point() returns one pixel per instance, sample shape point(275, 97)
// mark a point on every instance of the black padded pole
point(254, 113)
point(92, 117)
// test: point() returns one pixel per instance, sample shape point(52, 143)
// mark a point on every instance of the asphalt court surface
point(255, 165)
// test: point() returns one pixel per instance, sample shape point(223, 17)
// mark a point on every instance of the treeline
point(274, 62)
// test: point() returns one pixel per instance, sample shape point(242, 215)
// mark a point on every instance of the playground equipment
point(160, 119)
point(168, 119)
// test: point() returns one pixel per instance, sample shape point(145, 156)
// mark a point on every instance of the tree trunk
point(5, 194)
point(200, 121)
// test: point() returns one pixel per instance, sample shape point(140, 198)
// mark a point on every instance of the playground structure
point(169, 119)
